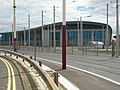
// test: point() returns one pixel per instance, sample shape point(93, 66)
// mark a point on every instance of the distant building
point(92, 31)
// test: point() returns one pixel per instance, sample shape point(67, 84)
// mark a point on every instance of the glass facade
point(57, 37)
point(92, 31)
point(72, 37)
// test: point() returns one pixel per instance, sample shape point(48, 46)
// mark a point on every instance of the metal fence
point(72, 47)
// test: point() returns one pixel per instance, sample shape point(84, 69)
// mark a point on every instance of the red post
point(64, 47)
point(14, 44)
point(64, 35)
point(14, 24)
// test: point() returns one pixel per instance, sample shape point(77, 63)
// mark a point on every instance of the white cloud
point(75, 9)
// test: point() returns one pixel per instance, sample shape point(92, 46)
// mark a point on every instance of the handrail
point(48, 80)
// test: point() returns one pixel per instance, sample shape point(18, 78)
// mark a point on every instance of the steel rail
point(48, 80)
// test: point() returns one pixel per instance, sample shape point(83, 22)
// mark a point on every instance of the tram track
point(77, 60)
point(11, 75)
point(23, 74)
point(108, 66)
point(89, 65)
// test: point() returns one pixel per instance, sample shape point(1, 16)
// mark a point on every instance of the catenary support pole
point(54, 29)
point(117, 30)
point(42, 32)
point(81, 34)
point(29, 30)
point(48, 37)
point(24, 37)
point(107, 32)
point(35, 44)
point(78, 33)
point(14, 25)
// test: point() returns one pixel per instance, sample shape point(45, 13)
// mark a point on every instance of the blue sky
point(75, 9)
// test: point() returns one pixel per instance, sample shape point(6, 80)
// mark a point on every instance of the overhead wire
point(70, 4)
point(100, 7)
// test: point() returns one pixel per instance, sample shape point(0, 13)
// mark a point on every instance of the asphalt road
point(103, 65)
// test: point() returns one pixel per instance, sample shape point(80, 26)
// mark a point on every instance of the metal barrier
point(48, 80)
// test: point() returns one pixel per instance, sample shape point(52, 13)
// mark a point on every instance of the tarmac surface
point(105, 66)
point(82, 80)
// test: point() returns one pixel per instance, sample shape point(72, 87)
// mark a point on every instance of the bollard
point(83, 50)
point(86, 49)
point(5, 54)
point(55, 78)
point(113, 48)
point(40, 63)
point(10, 54)
point(30, 65)
point(30, 57)
point(23, 59)
point(16, 57)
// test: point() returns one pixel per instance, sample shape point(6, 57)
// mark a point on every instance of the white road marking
point(88, 72)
